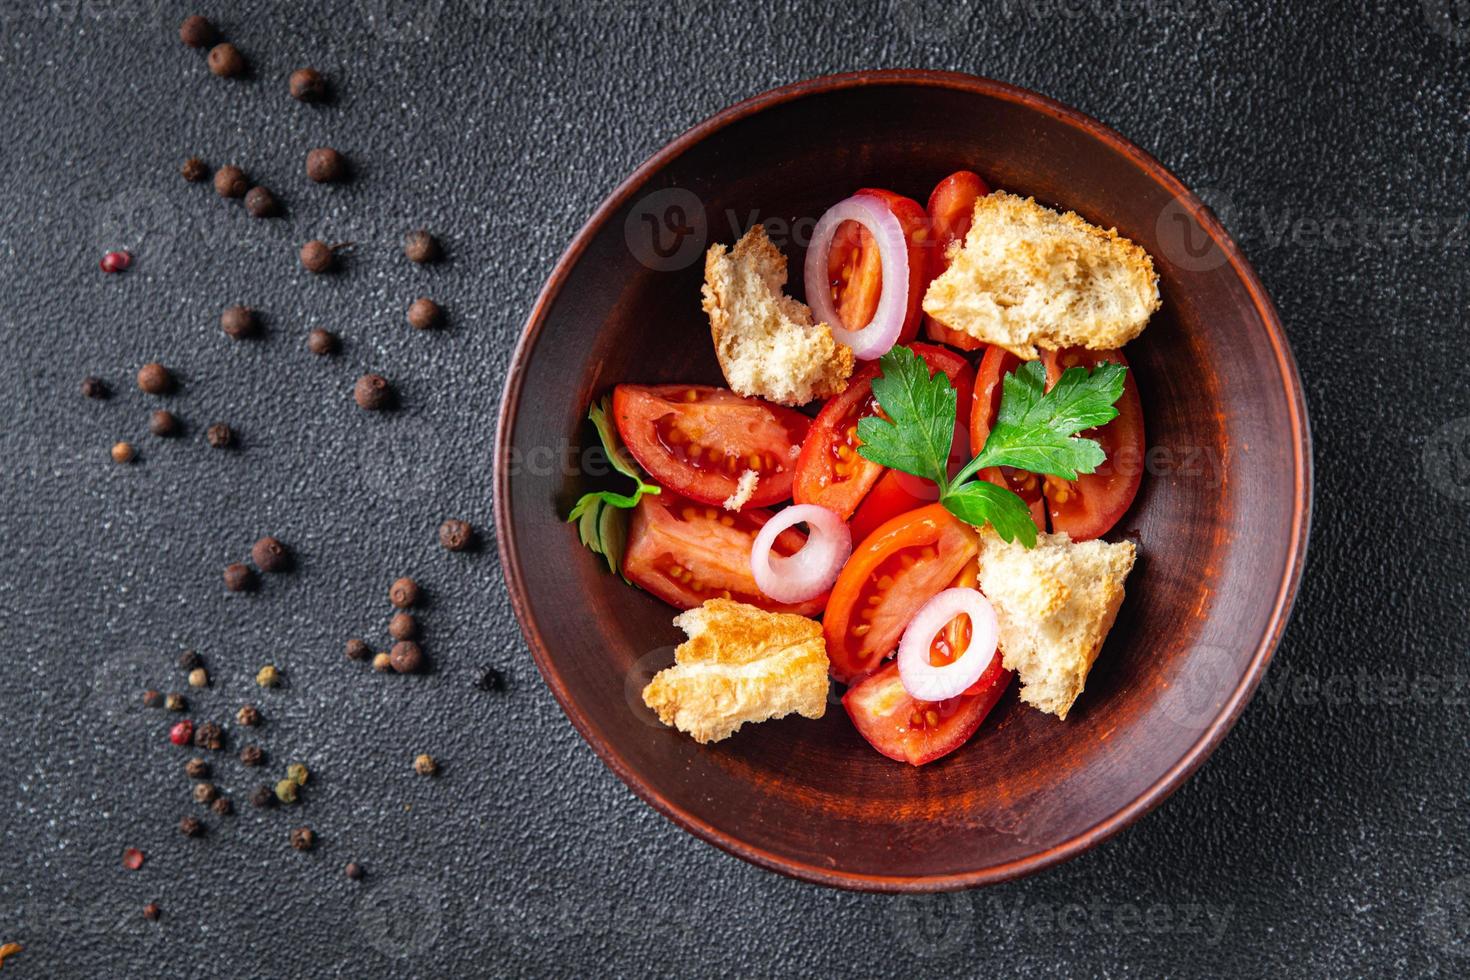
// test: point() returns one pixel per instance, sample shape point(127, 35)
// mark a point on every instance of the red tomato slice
point(855, 268)
point(951, 212)
point(685, 552)
point(698, 440)
point(1089, 506)
point(985, 406)
point(901, 566)
point(829, 471)
point(918, 732)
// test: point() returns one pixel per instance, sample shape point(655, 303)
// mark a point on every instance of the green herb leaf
point(1036, 429)
point(602, 521)
point(919, 430)
point(982, 501)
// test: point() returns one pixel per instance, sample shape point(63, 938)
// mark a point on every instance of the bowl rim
point(1230, 711)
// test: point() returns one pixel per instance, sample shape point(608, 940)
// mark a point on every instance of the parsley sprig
point(1035, 430)
point(601, 522)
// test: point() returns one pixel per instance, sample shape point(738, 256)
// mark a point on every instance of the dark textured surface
point(1327, 834)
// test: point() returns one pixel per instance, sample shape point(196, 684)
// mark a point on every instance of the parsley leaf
point(1036, 429)
point(917, 434)
point(602, 523)
point(981, 501)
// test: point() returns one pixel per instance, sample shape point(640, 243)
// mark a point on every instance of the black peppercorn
point(209, 736)
point(325, 165)
point(154, 378)
point(191, 827)
point(196, 31)
point(490, 679)
point(456, 535)
point(197, 768)
point(406, 657)
point(372, 392)
point(402, 626)
point(262, 796)
point(163, 423)
point(238, 322)
point(316, 256)
point(223, 806)
point(403, 593)
point(424, 313)
point(94, 387)
point(205, 793)
point(303, 839)
point(358, 650)
point(260, 202)
point(239, 578)
point(420, 247)
point(321, 342)
point(252, 755)
point(353, 871)
point(152, 699)
point(193, 170)
point(308, 85)
point(229, 181)
point(248, 715)
point(190, 660)
point(219, 436)
point(270, 555)
point(226, 61)
point(151, 912)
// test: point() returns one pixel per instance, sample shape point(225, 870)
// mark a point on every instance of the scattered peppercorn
point(308, 85)
point(219, 436)
point(358, 650)
point(262, 796)
point(198, 677)
point(154, 378)
point(372, 392)
point(353, 871)
point(123, 452)
point(325, 165)
point(424, 314)
point(152, 699)
point(248, 715)
point(268, 676)
point(115, 261)
point(209, 736)
point(490, 679)
point(191, 827)
point(252, 755)
point(196, 31)
point(261, 203)
point(181, 733)
point(205, 793)
point(382, 663)
point(223, 806)
point(175, 702)
point(190, 660)
point(456, 535)
point(406, 657)
point(163, 423)
point(197, 768)
point(297, 773)
point(420, 247)
point(403, 593)
point(151, 911)
point(402, 626)
point(238, 322)
point(229, 181)
point(286, 791)
point(226, 61)
point(94, 387)
point(317, 256)
point(132, 858)
point(270, 555)
point(193, 170)
point(239, 577)
point(425, 765)
point(321, 342)
point(303, 839)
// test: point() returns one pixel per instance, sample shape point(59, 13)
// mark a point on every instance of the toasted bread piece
point(766, 341)
point(1055, 604)
point(744, 490)
point(740, 664)
point(1028, 277)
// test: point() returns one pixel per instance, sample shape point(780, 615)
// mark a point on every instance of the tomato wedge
point(985, 406)
point(951, 212)
point(829, 470)
point(697, 440)
point(685, 552)
point(901, 566)
point(1089, 506)
point(918, 732)
point(855, 268)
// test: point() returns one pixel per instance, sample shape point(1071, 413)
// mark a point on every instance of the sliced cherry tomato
point(829, 471)
point(697, 440)
point(856, 269)
point(985, 406)
point(1089, 506)
point(951, 212)
point(917, 732)
point(685, 552)
point(901, 566)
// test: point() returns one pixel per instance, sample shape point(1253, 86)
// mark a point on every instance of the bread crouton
point(744, 490)
point(1055, 604)
point(1028, 277)
point(740, 664)
point(766, 341)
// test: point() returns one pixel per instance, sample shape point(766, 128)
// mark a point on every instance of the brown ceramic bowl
point(1221, 519)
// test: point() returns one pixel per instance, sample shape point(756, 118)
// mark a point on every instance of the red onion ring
point(921, 678)
point(812, 570)
point(882, 332)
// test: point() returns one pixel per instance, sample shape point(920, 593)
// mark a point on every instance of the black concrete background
point(1325, 837)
